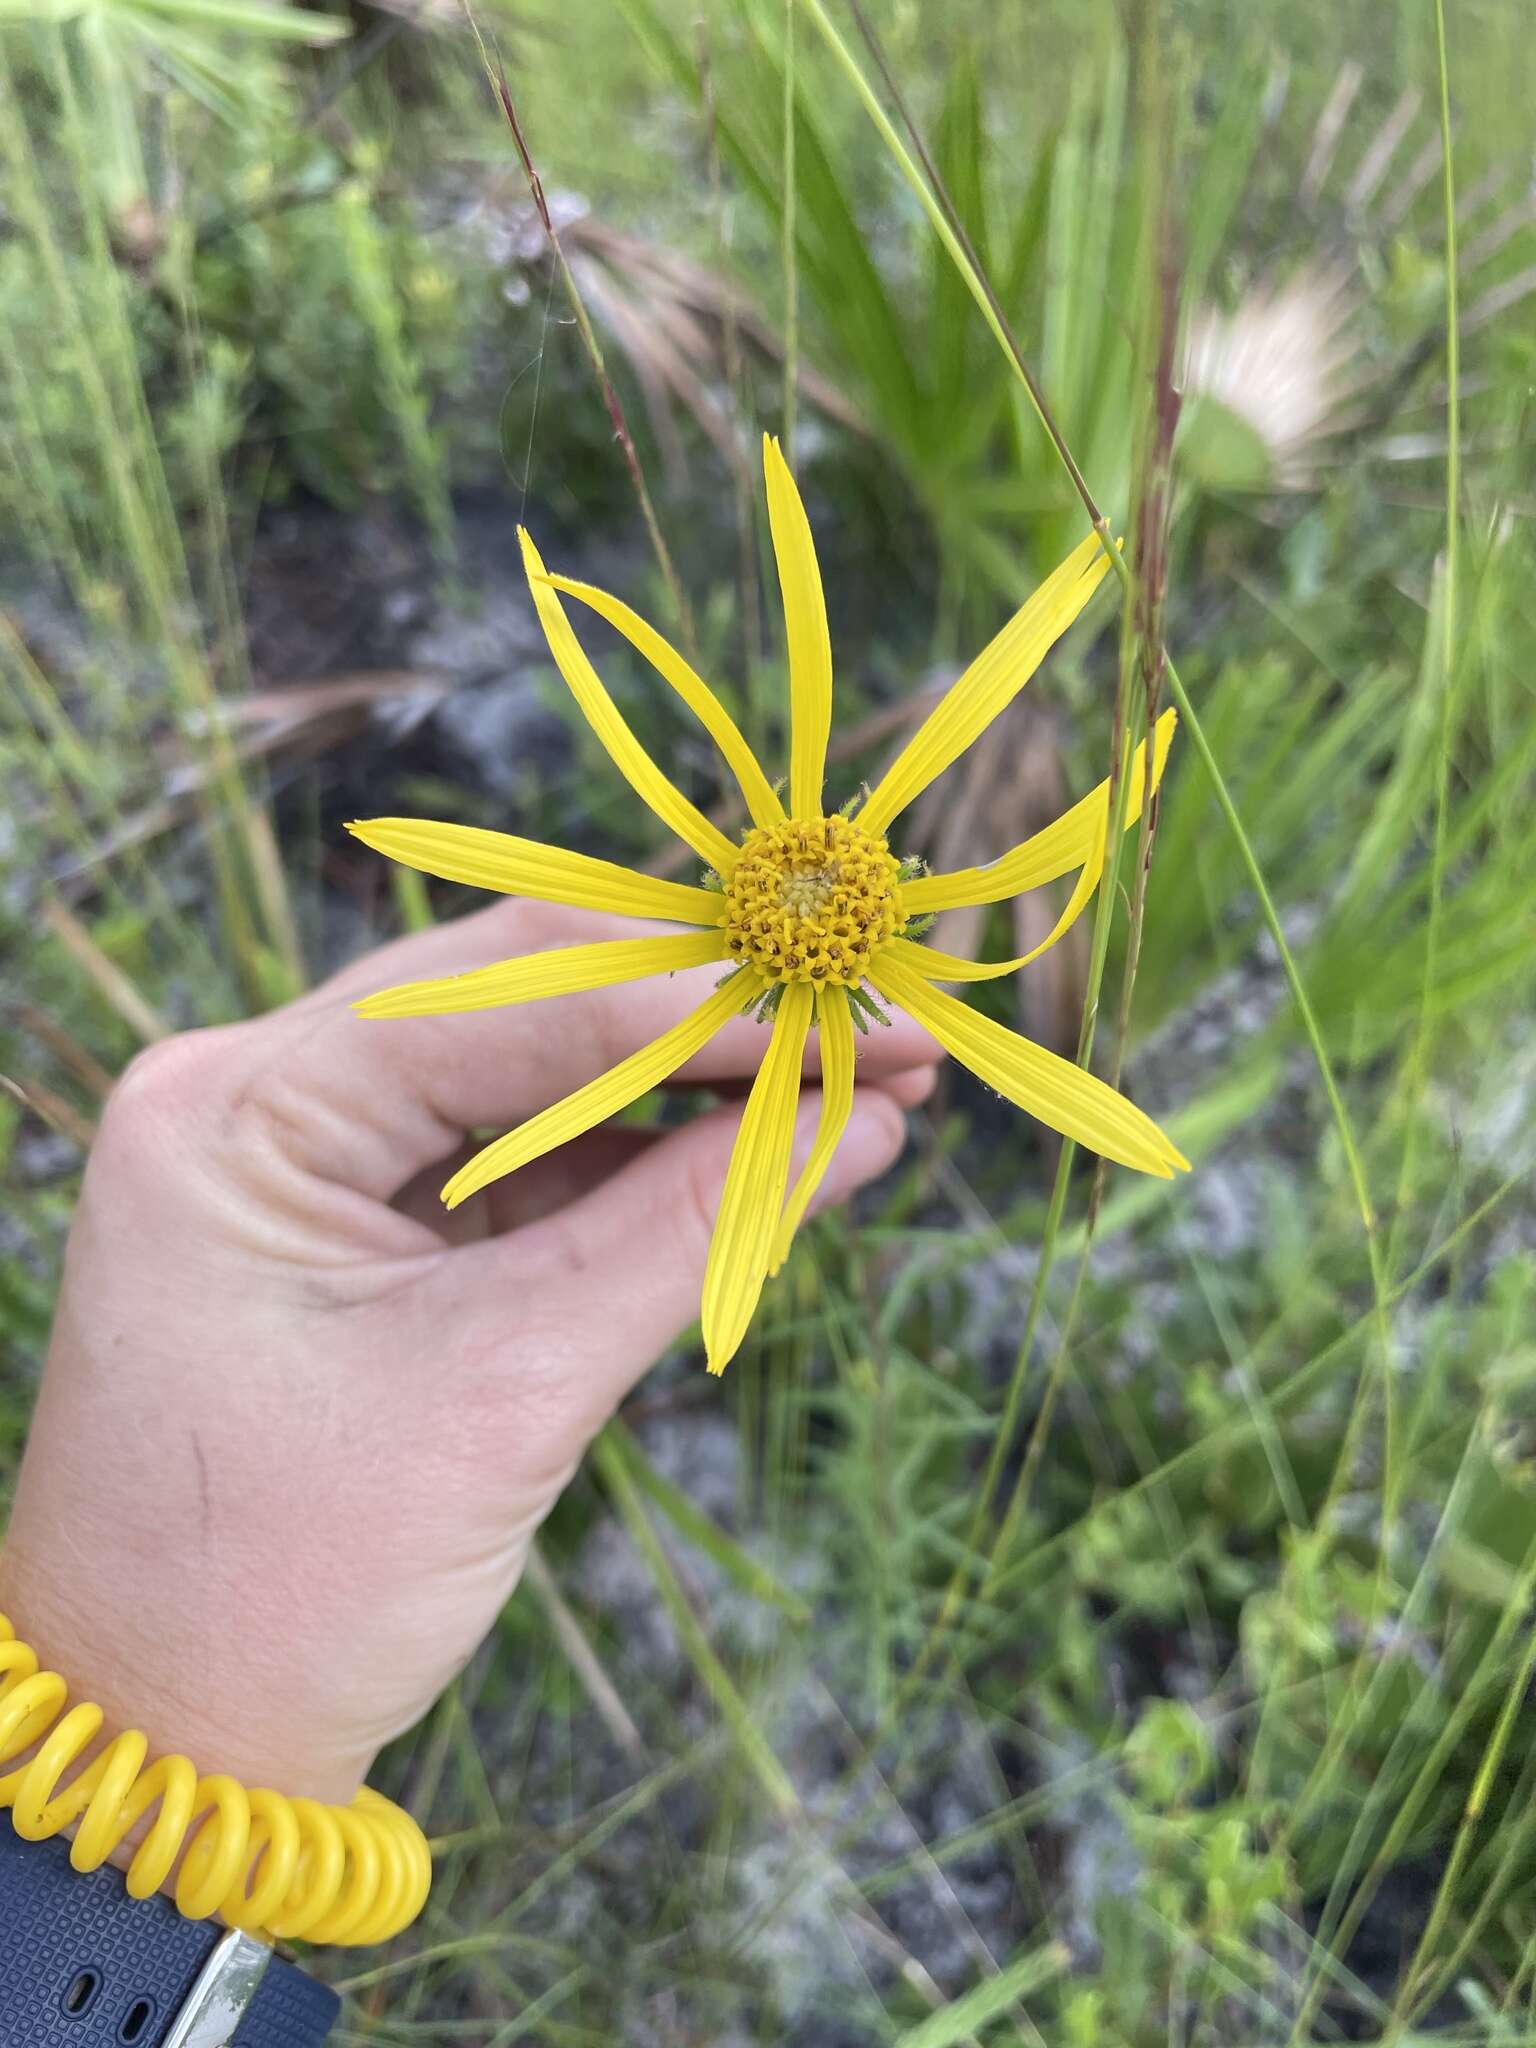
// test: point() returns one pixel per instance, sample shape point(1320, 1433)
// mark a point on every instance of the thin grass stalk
point(51, 1108)
point(751, 1744)
point(946, 223)
point(413, 900)
point(1418, 1059)
point(580, 1655)
point(1416, 1070)
point(1491, 1866)
point(1384, 1802)
point(740, 1566)
point(32, 481)
point(497, 80)
point(1502, 1859)
point(64, 758)
point(975, 1561)
point(1407, 1809)
point(406, 402)
point(145, 517)
point(749, 597)
point(119, 991)
point(77, 1060)
point(218, 543)
point(787, 249)
point(1418, 1987)
point(1039, 1435)
point(1359, 1705)
point(104, 350)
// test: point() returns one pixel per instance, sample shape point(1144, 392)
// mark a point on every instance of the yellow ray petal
point(834, 1023)
point(805, 635)
point(522, 867)
point(761, 797)
point(1060, 1094)
point(608, 722)
point(1066, 844)
point(604, 1097)
point(753, 1200)
point(933, 965)
point(989, 685)
point(563, 971)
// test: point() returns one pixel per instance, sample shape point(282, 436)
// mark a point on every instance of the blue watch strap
point(83, 1965)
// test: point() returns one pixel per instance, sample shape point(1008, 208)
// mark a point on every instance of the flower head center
point(812, 900)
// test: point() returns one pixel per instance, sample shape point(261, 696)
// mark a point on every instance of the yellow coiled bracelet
point(282, 1869)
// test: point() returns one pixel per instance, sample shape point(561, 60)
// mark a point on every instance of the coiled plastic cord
point(281, 1869)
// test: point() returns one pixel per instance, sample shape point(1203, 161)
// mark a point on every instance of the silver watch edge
point(222, 1994)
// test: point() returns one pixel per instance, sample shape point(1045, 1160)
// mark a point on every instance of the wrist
point(220, 1694)
point(269, 1864)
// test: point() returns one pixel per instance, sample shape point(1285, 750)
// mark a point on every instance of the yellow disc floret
point(812, 900)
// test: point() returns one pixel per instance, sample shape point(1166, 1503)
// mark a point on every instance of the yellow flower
point(809, 912)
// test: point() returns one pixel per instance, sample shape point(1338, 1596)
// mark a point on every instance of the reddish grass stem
point(497, 77)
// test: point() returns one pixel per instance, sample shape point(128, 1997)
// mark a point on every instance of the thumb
point(616, 1277)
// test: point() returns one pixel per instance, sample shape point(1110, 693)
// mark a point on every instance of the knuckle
point(267, 1109)
point(162, 1094)
point(163, 1079)
point(556, 1249)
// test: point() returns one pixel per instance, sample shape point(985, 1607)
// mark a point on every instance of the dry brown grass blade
point(116, 989)
point(289, 721)
point(880, 725)
point(1481, 247)
point(66, 1049)
point(1498, 299)
point(52, 1109)
point(1381, 149)
point(662, 367)
point(1394, 210)
point(584, 1660)
point(1330, 126)
point(290, 706)
point(696, 309)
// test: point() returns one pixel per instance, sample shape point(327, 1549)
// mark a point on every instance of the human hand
point(298, 1425)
